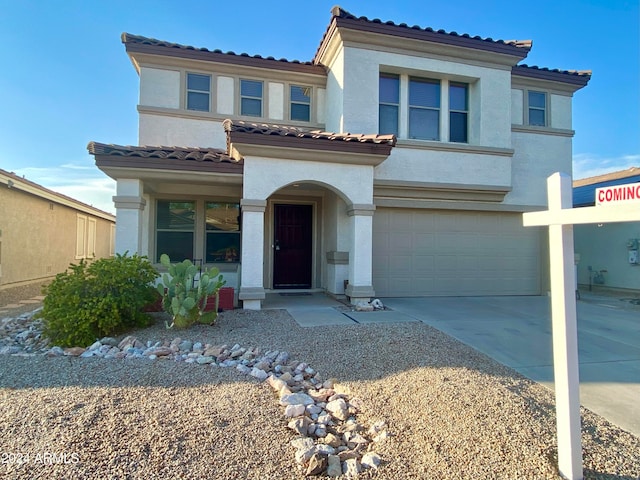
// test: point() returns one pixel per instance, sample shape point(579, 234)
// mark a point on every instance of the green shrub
point(103, 298)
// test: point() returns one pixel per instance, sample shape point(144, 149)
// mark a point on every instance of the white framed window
point(222, 232)
point(190, 229)
point(424, 109)
point(389, 104)
point(537, 108)
point(458, 112)
point(198, 92)
point(251, 97)
point(300, 103)
point(81, 239)
point(175, 229)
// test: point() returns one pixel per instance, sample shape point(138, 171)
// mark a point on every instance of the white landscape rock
point(294, 410)
point(370, 460)
point(338, 409)
point(321, 412)
point(296, 398)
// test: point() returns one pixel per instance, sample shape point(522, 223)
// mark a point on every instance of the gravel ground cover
point(452, 412)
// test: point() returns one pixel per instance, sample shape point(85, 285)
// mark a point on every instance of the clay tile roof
point(284, 131)
point(577, 77)
point(176, 153)
point(138, 43)
point(515, 47)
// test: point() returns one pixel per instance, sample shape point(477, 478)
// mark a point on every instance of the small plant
point(185, 294)
point(90, 301)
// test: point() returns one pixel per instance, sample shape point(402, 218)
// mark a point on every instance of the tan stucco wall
point(38, 237)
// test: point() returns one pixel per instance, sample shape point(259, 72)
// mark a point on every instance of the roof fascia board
point(562, 81)
point(133, 49)
point(555, 88)
point(52, 196)
point(311, 150)
point(150, 163)
point(156, 173)
point(174, 63)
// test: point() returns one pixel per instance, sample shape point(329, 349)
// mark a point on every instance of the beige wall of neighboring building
point(40, 232)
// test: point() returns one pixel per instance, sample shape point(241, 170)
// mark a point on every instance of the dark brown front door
point(292, 246)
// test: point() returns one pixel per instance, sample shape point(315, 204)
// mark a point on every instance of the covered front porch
point(294, 208)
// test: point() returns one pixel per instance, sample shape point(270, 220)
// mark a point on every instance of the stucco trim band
point(251, 293)
point(362, 209)
point(129, 202)
point(338, 258)
point(251, 205)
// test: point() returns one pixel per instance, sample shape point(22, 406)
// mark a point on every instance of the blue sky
point(67, 80)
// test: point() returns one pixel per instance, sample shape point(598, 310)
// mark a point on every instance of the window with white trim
point(251, 98)
point(198, 92)
point(205, 230)
point(458, 112)
point(537, 108)
point(222, 232)
point(424, 109)
point(300, 103)
point(389, 104)
point(175, 229)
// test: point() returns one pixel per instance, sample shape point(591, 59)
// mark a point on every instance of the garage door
point(445, 252)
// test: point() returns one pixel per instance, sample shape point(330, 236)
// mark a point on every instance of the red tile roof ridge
point(149, 151)
point(581, 73)
point(270, 129)
point(619, 174)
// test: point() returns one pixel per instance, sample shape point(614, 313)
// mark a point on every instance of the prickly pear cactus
point(184, 296)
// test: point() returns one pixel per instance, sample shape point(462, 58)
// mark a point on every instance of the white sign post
point(560, 218)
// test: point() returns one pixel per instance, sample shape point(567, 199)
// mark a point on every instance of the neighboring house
point(42, 232)
point(451, 141)
point(608, 252)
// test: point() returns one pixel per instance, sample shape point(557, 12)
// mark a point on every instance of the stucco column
point(251, 283)
point(360, 288)
point(130, 206)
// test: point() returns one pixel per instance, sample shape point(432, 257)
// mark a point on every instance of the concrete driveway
point(516, 331)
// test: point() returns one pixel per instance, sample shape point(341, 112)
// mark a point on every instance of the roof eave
point(511, 52)
point(133, 48)
point(576, 80)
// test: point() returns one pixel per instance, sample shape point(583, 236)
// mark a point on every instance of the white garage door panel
point(422, 253)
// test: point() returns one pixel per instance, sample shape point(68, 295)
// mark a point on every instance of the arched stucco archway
point(343, 224)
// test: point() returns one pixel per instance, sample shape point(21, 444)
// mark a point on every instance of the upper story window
point(300, 107)
point(424, 109)
point(251, 98)
point(198, 92)
point(458, 112)
point(389, 104)
point(537, 108)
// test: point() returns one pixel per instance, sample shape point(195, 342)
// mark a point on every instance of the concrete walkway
point(516, 331)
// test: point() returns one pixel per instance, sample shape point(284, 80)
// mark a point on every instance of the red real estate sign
point(629, 192)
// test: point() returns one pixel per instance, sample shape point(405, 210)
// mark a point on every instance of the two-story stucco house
point(441, 142)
